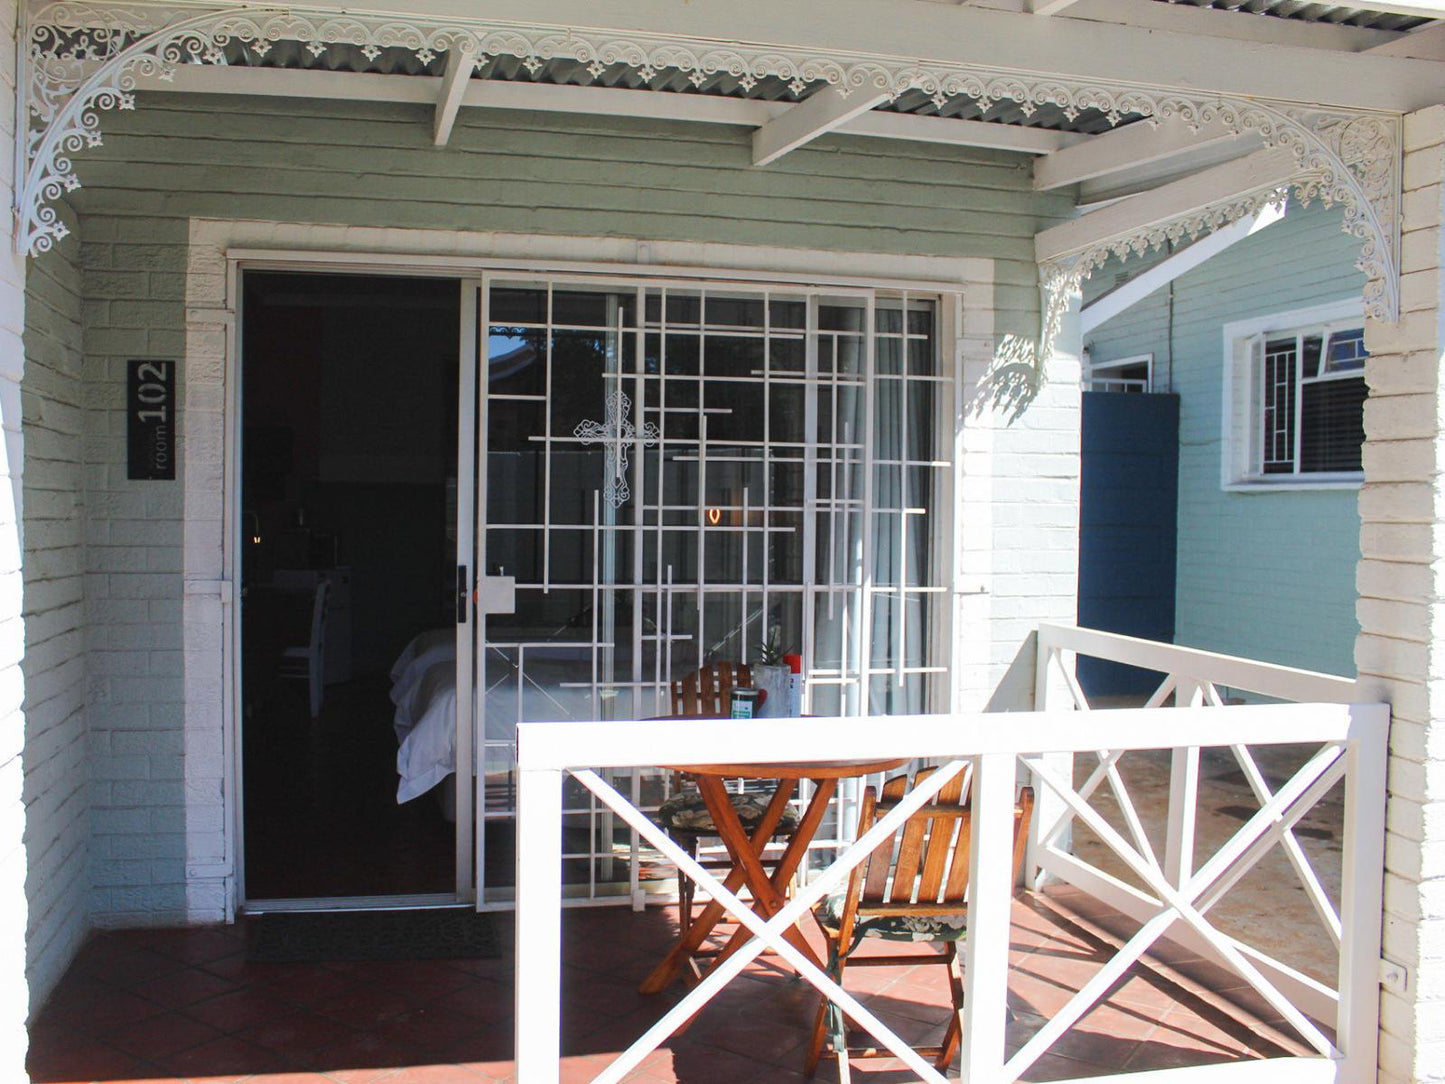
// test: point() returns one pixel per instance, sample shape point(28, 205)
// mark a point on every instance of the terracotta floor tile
point(363, 1053)
point(109, 1012)
point(239, 1009)
point(1057, 1067)
point(127, 969)
point(299, 1039)
point(81, 1061)
point(1154, 1055)
point(224, 1059)
point(483, 999)
point(375, 1075)
point(161, 1036)
point(196, 944)
point(450, 1022)
point(184, 988)
point(363, 1007)
point(440, 1074)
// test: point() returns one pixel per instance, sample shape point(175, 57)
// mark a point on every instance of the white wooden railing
point(1335, 1025)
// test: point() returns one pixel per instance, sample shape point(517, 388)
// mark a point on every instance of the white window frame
point(1240, 470)
point(1098, 371)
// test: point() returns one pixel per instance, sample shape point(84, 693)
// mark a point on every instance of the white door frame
point(219, 248)
point(467, 360)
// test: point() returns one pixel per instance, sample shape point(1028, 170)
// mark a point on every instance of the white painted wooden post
point(1051, 693)
point(990, 899)
point(1362, 878)
point(539, 926)
point(1052, 687)
point(1183, 795)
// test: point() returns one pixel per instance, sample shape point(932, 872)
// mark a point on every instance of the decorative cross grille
point(616, 432)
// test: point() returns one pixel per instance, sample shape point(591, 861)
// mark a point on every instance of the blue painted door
point(1128, 515)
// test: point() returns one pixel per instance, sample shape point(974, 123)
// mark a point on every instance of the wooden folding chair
point(919, 895)
point(709, 690)
point(703, 692)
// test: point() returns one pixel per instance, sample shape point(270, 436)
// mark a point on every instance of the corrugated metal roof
point(1312, 13)
point(398, 61)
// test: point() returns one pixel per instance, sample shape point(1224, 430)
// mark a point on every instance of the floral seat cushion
point(686, 811)
point(892, 927)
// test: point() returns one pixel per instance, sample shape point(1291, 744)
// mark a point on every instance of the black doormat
point(431, 933)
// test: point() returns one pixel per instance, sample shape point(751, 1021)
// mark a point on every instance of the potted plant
point(772, 674)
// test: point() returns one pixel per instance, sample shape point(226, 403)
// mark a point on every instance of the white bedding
point(425, 694)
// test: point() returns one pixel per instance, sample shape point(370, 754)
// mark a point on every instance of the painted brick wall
point(14, 989)
point(134, 285)
point(1401, 608)
point(156, 773)
point(57, 827)
point(1265, 575)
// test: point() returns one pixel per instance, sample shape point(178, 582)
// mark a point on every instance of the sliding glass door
point(674, 473)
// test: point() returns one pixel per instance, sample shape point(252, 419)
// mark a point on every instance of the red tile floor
point(185, 1005)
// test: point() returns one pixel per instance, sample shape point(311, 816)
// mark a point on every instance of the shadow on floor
point(185, 1005)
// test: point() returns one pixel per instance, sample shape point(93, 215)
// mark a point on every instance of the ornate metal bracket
point(85, 58)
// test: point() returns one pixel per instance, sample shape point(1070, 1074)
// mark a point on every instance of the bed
point(424, 692)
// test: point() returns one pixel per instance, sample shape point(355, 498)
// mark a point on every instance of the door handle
point(463, 590)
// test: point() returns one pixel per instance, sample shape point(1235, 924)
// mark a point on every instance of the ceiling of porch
point(1144, 109)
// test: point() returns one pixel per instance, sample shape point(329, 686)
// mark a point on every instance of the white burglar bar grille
point(676, 473)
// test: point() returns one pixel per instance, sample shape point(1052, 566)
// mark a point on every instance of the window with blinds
point(1311, 401)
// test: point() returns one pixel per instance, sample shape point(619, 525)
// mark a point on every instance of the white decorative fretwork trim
point(84, 58)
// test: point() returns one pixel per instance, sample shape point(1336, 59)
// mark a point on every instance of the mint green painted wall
point(374, 164)
point(1265, 575)
point(367, 164)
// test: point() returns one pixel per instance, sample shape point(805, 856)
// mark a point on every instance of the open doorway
point(349, 541)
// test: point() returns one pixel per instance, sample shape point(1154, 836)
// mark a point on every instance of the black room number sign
point(151, 420)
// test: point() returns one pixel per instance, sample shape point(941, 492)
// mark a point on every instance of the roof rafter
point(1130, 147)
point(1212, 22)
point(1077, 50)
point(460, 65)
point(1048, 7)
point(1427, 43)
point(1230, 181)
point(1171, 268)
point(603, 101)
point(820, 112)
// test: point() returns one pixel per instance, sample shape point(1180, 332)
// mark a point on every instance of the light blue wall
point(1265, 575)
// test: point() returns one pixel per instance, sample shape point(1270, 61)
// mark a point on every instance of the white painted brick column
point(14, 990)
point(1400, 653)
point(1018, 553)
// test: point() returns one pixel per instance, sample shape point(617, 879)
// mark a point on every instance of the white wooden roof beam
point(603, 101)
point(1167, 270)
point(1426, 43)
point(822, 111)
point(1426, 9)
point(948, 34)
point(1212, 22)
point(1047, 7)
point(1130, 147)
point(460, 65)
point(1157, 206)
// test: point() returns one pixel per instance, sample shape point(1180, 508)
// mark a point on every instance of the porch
point(185, 1005)
point(1284, 968)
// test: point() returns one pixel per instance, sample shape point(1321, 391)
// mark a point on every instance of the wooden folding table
point(768, 887)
